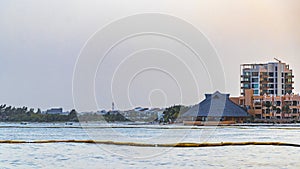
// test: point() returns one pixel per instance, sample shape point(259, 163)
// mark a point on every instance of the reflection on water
point(72, 155)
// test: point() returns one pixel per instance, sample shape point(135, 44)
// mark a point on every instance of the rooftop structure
point(215, 107)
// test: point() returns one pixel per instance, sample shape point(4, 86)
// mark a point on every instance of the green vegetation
point(286, 109)
point(13, 114)
point(115, 117)
point(23, 114)
point(171, 114)
point(90, 117)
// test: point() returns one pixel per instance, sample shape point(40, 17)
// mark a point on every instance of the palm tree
point(286, 109)
point(274, 110)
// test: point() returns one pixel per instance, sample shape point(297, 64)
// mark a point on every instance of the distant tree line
point(109, 117)
point(23, 114)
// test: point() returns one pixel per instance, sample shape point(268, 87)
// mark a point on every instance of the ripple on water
point(65, 155)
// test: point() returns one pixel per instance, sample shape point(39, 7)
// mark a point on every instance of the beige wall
point(259, 108)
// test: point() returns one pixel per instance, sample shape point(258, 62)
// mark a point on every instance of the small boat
point(68, 123)
point(24, 123)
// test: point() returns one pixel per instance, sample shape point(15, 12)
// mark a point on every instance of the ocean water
point(82, 155)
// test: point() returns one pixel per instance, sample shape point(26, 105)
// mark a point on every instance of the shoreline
point(104, 125)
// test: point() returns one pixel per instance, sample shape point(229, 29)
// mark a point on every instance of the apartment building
point(270, 106)
point(273, 78)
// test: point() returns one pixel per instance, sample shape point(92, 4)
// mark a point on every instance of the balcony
point(267, 111)
point(245, 87)
point(245, 76)
point(263, 79)
point(257, 104)
point(289, 88)
point(264, 75)
point(264, 88)
point(289, 82)
point(264, 82)
point(289, 76)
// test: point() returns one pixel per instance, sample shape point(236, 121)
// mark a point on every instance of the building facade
point(273, 78)
point(270, 106)
point(57, 111)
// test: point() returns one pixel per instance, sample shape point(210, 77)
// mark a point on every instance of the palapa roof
point(216, 105)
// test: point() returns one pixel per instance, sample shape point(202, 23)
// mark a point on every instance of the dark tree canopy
point(19, 114)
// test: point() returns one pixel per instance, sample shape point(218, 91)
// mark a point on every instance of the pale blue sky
point(41, 40)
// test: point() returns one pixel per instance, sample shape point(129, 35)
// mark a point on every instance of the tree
point(38, 111)
point(286, 109)
point(73, 115)
point(268, 104)
point(13, 114)
point(172, 113)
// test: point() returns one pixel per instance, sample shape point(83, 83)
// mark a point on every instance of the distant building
point(58, 111)
point(216, 107)
point(102, 112)
point(113, 112)
point(144, 114)
point(99, 112)
point(274, 78)
point(140, 109)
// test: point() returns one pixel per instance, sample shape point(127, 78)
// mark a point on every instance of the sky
point(42, 42)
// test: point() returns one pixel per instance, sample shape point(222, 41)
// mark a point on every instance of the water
point(73, 155)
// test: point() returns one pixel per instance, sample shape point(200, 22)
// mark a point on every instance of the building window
point(294, 103)
point(254, 73)
point(246, 86)
point(295, 111)
point(278, 103)
point(254, 79)
point(246, 73)
point(254, 85)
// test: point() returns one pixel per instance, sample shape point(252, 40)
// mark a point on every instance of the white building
point(58, 111)
point(274, 78)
